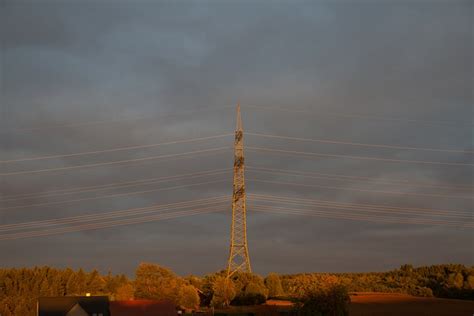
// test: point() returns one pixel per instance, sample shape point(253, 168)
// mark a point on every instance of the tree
point(125, 292)
point(455, 280)
point(80, 282)
point(113, 282)
point(45, 288)
point(22, 308)
point(188, 297)
point(407, 268)
point(95, 283)
point(195, 281)
point(207, 285)
point(224, 292)
point(333, 301)
point(250, 289)
point(155, 282)
point(469, 284)
point(7, 306)
point(77, 283)
point(255, 293)
point(273, 284)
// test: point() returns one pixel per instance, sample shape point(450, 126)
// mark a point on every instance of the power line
point(359, 205)
point(358, 157)
point(349, 216)
point(339, 177)
point(275, 210)
point(363, 190)
point(372, 213)
point(113, 214)
point(337, 142)
point(110, 186)
point(126, 184)
point(343, 214)
point(115, 149)
point(110, 195)
point(114, 162)
point(95, 226)
point(351, 212)
point(207, 182)
point(131, 147)
point(362, 207)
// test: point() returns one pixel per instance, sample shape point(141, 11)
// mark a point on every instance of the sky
point(86, 76)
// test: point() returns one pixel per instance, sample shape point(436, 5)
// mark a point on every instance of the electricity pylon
point(239, 260)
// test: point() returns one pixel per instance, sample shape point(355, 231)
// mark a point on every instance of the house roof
point(142, 308)
point(60, 306)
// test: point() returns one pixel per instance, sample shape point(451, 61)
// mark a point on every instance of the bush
point(332, 301)
point(421, 291)
point(249, 299)
point(250, 289)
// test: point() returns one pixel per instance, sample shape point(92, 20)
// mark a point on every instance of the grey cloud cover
point(80, 61)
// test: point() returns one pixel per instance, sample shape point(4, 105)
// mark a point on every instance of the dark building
point(142, 308)
point(74, 306)
point(101, 306)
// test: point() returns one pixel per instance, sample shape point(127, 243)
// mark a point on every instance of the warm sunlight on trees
point(250, 289)
point(273, 284)
point(158, 283)
point(155, 282)
point(188, 297)
point(125, 292)
point(20, 288)
point(223, 292)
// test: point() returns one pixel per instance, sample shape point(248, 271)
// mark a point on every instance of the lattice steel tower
point(239, 259)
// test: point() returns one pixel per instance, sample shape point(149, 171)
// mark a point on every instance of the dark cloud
point(407, 62)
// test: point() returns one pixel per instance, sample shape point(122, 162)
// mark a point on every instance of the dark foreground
point(388, 304)
point(374, 304)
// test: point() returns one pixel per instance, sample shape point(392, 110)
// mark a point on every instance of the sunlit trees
point(95, 283)
point(250, 289)
point(20, 288)
point(223, 292)
point(273, 284)
point(469, 283)
point(124, 292)
point(456, 280)
point(155, 282)
point(188, 296)
point(449, 280)
point(332, 300)
point(22, 308)
point(120, 287)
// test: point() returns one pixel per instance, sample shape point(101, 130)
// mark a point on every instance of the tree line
point(444, 281)
point(20, 288)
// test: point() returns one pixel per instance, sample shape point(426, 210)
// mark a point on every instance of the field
point(388, 304)
point(375, 304)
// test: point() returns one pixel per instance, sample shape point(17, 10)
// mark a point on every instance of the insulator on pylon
point(239, 161)
point(238, 136)
point(239, 192)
